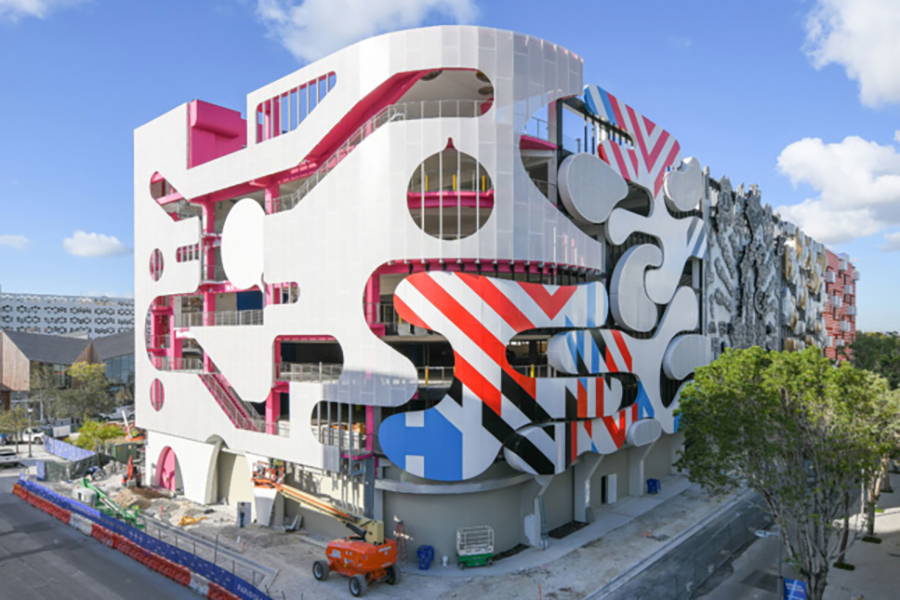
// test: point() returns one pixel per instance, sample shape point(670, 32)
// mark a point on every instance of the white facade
point(404, 254)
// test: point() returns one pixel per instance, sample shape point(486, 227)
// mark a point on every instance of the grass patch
point(879, 510)
point(871, 539)
point(844, 566)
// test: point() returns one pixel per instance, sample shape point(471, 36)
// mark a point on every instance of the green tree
point(93, 433)
point(14, 421)
point(89, 395)
point(44, 389)
point(796, 430)
point(879, 353)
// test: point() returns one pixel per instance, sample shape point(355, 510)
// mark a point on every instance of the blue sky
point(799, 96)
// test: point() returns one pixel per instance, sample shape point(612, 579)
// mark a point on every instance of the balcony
point(829, 277)
point(851, 310)
point(183, 365)
point(408, 111)
point(844, 326)
point(849, 289)
point(220, 318)
point(842, 265)
point(855, 274)
point(838, 343)
point(836, 301)
point(314, 372)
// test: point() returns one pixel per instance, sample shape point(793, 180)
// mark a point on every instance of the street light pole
point(30, 432)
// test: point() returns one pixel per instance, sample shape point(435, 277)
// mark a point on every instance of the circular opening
point(157, 394)
point(156, 264)
point(450, 195)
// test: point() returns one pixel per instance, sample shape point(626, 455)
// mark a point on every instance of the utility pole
point(30, 432)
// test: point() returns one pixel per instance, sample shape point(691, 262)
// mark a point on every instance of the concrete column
point(533, 521)
point(5, 399)
point(636, 457)
point(581, 480)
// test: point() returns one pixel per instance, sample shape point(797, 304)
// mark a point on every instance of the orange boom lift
point(365, 557)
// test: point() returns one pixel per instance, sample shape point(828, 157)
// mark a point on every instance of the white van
point(8, 457)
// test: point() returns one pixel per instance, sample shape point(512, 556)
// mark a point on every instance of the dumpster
point(426, 556)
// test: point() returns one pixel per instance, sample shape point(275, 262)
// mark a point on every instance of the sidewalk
point(624, 535)
point(874, 576)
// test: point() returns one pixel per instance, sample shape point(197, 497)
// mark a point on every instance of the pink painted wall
point(166, 469)
point(213, 131)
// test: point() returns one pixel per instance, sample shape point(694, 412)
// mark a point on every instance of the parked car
point(8, 457)
point(35, 435)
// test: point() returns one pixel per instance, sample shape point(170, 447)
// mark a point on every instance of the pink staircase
point(239, 412)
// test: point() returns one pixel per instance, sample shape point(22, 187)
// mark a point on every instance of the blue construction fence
point(230, 582)
point(65, 450)
point(79, 461)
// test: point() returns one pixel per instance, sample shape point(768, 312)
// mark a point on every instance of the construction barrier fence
point(179, 565)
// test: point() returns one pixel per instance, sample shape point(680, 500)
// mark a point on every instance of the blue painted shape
point(252, 300)
point(610, 113)
point(590, 103)
point(677, 423)
point(794, 589)
point(591, 305)
point(645, 408)
point(439, 441)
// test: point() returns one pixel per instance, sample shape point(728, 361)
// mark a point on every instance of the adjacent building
point(90, 316)
point(22, 353)
point(447, 283)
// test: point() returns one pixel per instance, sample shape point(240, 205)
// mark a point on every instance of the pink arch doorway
point(167, 469)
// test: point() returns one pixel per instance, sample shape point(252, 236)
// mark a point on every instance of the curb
point(164, 567)
point(623, 578)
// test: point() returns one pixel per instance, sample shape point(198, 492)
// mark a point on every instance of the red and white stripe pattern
point(655, 150)
point(479, 316)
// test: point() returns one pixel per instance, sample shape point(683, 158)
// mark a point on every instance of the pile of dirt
point(127, 498)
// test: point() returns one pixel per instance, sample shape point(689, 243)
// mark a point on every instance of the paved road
point(42, 558)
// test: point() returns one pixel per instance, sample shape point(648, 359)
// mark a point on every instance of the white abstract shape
point(643, 432)
point(686, 353)
point(684, 186)
point(590, 188)
point(680, 239)
point(630, 305)
point(242, 244)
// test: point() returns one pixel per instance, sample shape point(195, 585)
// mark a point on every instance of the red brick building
point(840, 314)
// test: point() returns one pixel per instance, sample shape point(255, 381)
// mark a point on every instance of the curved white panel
point(628, 299)
point(684, 186)
point(686, 353)
point(590, 188)
point(643, 432)
point(242, 244)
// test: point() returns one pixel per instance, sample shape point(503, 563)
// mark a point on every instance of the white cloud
point(93, 245)
point(311, 29)
point(858, 184)
point(13, 10)
point(19, 242)
point(864, 37)
point(891, 242)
